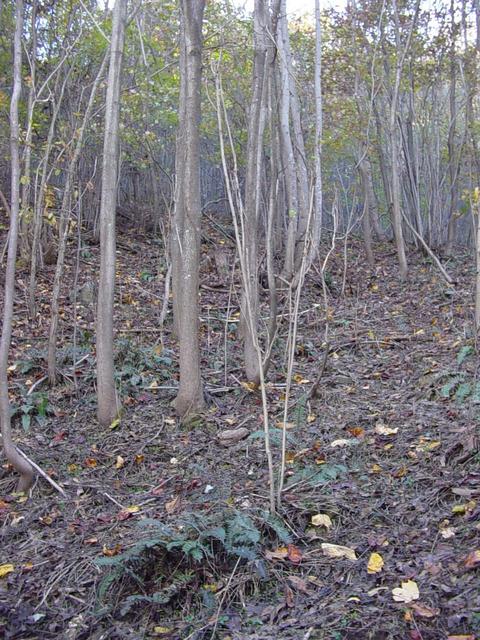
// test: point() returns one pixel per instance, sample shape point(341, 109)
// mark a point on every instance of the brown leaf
point(473, 559)
point(109, 552)
point(278, 554)
point(173, 505)
point(232, 436)
point(299, 583)
point(338, 551)
point(424, 611)
point(294, 554)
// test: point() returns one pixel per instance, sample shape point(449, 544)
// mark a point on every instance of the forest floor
point(164, 533)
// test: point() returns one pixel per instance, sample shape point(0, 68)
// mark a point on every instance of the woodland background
point(241, 300)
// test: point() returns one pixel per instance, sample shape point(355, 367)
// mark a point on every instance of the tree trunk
point(187, 216)
point(452, 170)
point(63, 228)
point(108, 405)
point(11, 453)
point(317, 218)
point(256, 126)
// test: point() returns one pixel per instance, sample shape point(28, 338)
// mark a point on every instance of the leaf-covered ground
point(164, 532)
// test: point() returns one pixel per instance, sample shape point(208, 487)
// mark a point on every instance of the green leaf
point(463, 391)
point(464, 352)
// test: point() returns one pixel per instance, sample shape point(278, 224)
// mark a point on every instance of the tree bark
point(11, 453)
point(108, 404)
point(256, 126)
point(187, 216)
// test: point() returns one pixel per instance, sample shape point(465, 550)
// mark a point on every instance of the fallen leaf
point(294, 554)
point(462, 509)
point(338, 551)
point(299, 583)
point(447, 533)
point(473, 559)
point(375, 563)
point(300, 379)
point(115, 423)
point(5, 569)
point(341, 442)
point(322, 520)
point(278, 554)
point(375, 468)
point(356, 432)
point(172, 506)
point(120, 462)
point(110, 552)
point(139, 458)
point(383, 430)
point(162, 631)
point(408, 592)
point(91, 462)
point(424, 611)
point(232, 436)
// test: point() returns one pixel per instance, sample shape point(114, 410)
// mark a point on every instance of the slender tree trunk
point(11, 453)
point(25, 208)
point(287, 153)
point(36, 257)
point(187, 217)
point(452, 171)
point(63, 227)
point(366, 223)
point(108, 404)
point(252, 189)
point(394, 146)
point(318, 217)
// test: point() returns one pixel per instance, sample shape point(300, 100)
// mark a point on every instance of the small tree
point(11, 453)
point(187, 215)
point(107, 397)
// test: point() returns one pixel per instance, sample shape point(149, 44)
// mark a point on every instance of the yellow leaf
point(134, 508)
point(115, 423)
point(311, 418)
point(5, 569)
point(375, 563)
point(322, 520)
point(300, 379)
point(162, 631)
point(153, 385)
point(408, 592)
point(383, 430)
point(461, 509)
point(375, 468)
point(338, 551)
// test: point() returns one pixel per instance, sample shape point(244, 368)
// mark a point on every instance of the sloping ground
point(164, 531)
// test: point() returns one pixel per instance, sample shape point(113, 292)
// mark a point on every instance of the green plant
point(462, 384)
point(222, 539)
point(34, 406)
point(138, 366)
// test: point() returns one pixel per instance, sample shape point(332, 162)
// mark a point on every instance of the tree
point(187, 215)
point(11, 453)
point(108, 404)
